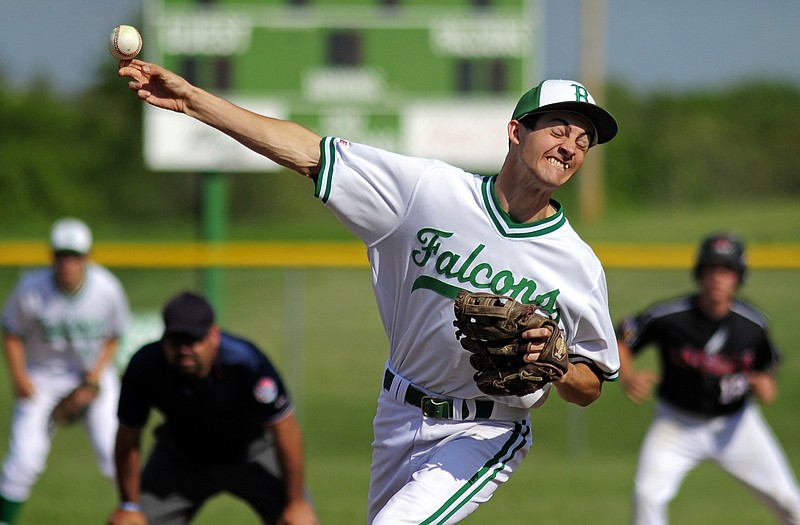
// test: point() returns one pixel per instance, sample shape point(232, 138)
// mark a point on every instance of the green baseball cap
point(567, 95)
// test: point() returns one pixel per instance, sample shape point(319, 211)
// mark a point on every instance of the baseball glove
point(490, 326)
point(74, 405)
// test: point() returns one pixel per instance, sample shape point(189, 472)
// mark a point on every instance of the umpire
point(228, 426)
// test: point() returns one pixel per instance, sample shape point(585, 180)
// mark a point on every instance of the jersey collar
point(510, 228)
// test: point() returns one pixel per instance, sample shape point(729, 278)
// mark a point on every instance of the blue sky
point(651, 44)
point(677, 44)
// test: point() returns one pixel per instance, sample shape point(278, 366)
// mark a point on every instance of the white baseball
point(125, 42)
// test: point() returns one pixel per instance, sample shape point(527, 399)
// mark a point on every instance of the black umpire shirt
point(213, 419)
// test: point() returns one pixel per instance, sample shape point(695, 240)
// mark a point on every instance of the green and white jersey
point(432, 229)
point(64, 333)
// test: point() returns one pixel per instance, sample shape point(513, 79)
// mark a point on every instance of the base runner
point(717, 360)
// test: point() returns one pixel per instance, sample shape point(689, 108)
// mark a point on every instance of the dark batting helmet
point(724, 249)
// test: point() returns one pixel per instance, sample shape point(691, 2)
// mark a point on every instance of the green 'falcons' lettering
point(480, 275)
point(73, 330)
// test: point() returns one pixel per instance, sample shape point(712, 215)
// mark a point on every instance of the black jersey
point(703, 361)
point(212, 419)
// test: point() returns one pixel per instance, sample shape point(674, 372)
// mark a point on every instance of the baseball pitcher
point(453, 417)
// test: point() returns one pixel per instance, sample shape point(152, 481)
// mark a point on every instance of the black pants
point(175, 487)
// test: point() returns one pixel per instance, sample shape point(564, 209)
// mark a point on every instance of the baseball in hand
point(125, 42)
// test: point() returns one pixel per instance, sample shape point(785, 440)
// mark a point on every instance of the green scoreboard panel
point(430, 78)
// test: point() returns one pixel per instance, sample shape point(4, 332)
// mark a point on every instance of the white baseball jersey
point(432, 229)
point(64, 333)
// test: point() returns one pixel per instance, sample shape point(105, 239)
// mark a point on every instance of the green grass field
point(580, 468)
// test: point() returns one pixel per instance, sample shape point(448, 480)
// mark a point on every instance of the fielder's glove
point(74, 405)
point(491, 326)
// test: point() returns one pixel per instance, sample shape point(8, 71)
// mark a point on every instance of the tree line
point(81, 155)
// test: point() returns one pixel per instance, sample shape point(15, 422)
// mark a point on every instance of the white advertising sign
point(175, 142)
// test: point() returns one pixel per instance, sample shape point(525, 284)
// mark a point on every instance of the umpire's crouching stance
point(228, 426)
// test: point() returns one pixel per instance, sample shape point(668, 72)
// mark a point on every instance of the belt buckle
point(437, 407)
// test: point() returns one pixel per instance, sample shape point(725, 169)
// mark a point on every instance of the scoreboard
point(428, 78)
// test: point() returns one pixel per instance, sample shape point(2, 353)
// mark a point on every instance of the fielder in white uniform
point(60, 327)
point(717, 360)
point(441, 447)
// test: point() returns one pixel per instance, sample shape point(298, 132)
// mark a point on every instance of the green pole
point(215, 213)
